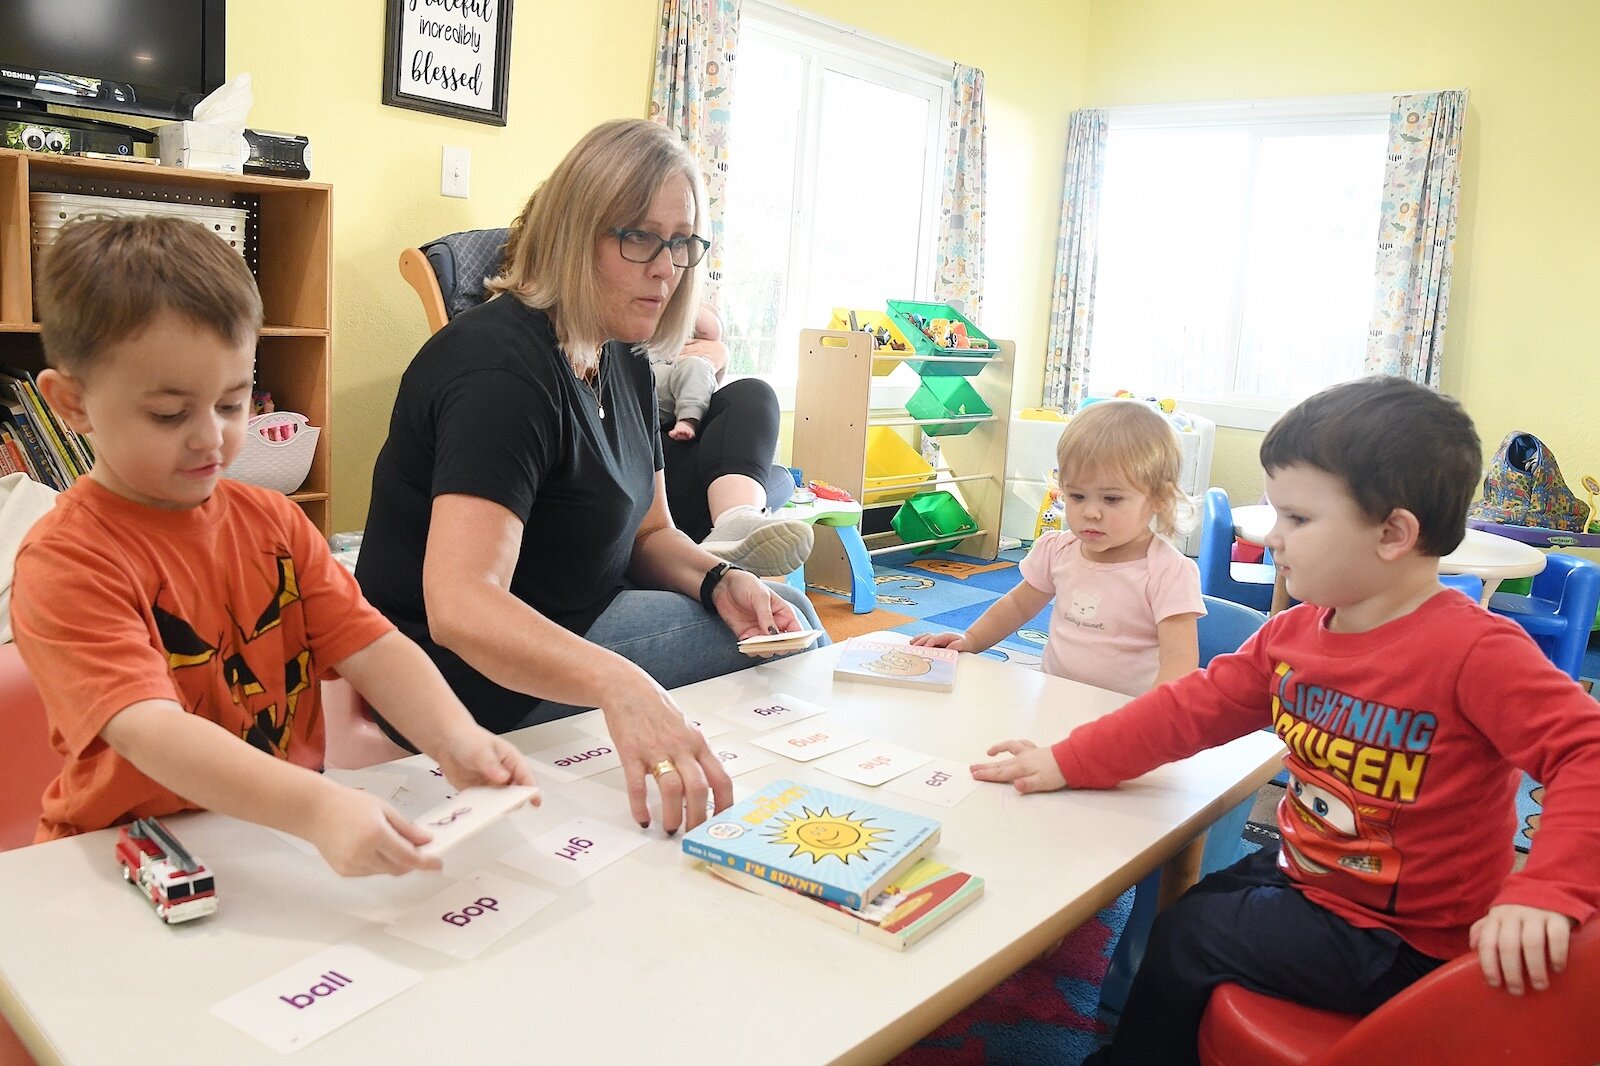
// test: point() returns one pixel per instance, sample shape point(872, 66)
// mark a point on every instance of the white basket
point(49, 211)
point(280, 465)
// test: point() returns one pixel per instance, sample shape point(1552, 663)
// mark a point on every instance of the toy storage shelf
point(832, 417)
point(289, 246)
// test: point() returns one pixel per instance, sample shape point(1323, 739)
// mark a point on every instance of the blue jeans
point(673, 639)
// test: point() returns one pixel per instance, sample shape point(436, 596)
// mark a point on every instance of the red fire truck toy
point(179, 886)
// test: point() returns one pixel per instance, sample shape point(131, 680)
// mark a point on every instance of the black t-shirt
point(490, 408)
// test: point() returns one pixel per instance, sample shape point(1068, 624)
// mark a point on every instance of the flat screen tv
point(133, 57)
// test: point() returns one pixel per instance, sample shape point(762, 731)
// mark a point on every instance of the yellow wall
point(1524, 331)
point(318, 70)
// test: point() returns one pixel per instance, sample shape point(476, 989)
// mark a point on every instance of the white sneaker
point(765, 544)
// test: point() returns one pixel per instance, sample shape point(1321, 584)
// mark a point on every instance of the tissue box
point(201, 146)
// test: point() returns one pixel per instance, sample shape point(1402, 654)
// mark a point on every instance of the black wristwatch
point(713, 576)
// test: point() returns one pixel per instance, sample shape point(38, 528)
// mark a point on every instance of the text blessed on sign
point(448, 57)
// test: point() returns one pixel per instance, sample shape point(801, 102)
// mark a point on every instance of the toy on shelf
point(177, 884)
point(825, 491)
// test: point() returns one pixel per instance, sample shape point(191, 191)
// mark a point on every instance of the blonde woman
point(519, 527)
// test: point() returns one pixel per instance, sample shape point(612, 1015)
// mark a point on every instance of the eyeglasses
point(642, 246)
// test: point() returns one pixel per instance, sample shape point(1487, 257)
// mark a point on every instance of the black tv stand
point(13, 109)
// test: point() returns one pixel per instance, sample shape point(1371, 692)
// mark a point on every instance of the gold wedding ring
point(662, 768)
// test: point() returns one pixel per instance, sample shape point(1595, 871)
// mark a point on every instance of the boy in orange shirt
point(177, 624)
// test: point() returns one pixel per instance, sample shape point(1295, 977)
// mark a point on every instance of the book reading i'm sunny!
point(885, 663)
point(918, 902)
point(814, 840)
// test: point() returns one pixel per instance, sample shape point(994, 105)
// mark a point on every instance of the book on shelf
point(814, 840)
point(884, 663)
point(39, 466)
point(914, 905)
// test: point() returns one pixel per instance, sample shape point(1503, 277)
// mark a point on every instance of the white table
point(1484, 555)
point(647, 961)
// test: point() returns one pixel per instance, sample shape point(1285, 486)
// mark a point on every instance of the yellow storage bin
point(873, 321)
point(894, 468)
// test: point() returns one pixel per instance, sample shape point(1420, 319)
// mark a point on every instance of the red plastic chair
point(30, 765)
point(354, 740)
point(1452, 1015)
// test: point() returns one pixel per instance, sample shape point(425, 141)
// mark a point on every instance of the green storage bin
point(947, 397)
point(900, 312)
point(928, 515)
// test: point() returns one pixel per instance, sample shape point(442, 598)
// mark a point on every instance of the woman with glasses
point(519, 529)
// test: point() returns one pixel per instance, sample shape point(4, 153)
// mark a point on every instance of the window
point(1236, 251)
point(836, 149)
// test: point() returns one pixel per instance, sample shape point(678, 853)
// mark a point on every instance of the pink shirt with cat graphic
point(1103, 620)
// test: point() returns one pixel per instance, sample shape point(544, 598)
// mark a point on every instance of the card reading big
point(769, 712)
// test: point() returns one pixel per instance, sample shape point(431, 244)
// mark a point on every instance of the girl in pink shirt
point(1126, 600)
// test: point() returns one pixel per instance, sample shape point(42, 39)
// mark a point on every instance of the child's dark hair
point(1395, 444)
point(104, 279)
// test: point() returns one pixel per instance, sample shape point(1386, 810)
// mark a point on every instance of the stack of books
point(33, 440)
point(857, 864)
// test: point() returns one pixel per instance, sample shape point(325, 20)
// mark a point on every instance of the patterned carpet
point(1045, 1013)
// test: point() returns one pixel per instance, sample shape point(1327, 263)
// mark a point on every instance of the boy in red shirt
point(177, 624)
point(1408, 712)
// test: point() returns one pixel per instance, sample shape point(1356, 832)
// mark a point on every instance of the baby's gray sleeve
point(692, 382)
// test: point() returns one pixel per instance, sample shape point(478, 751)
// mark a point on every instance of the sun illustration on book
point(827, 835)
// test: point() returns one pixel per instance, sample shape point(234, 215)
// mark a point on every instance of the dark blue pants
point(1248, 925)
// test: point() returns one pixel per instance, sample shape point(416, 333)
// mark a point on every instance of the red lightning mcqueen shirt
point(1404, 751)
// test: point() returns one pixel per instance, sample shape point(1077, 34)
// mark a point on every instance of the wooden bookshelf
point(289, 246)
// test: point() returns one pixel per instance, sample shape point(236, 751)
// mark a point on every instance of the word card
point(314, 997)
point(583, 757)
point(873, 763)
point(709, 727)
point(771, 711)
point(573, 851)
point(468, 811)
point(739, 758)
point(942, 781)
point(470, 915)
point(805, 741)
point(779, 643)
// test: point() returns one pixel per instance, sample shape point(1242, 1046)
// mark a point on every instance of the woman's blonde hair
point(605, 182)
point(1132, 440)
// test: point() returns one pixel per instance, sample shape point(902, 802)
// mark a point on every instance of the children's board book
point(918, 902)
point(878, 661)
point(814, 840)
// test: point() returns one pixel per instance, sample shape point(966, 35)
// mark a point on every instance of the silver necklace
point(598, 385)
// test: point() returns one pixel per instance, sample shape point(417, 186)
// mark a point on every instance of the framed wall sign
point(448, 57)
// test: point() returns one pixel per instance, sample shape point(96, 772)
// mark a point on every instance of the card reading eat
point(314, 997)
point(468, 811)
point(942, 781)
point(767, 712)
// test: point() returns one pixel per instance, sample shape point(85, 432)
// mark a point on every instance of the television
point(156, 58)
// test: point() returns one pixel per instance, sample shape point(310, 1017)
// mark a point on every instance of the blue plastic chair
point(1246, 583)
point(1222, 629)
point(1559, 610)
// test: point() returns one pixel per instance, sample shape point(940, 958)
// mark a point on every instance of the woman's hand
point(653, 737)
point(751, 608)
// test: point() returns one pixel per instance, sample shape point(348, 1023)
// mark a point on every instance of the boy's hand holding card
point(468, 811)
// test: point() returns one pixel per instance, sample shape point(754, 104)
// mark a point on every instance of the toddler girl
point(1126, 600)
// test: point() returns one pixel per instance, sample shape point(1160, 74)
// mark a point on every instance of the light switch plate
point(456, 172)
